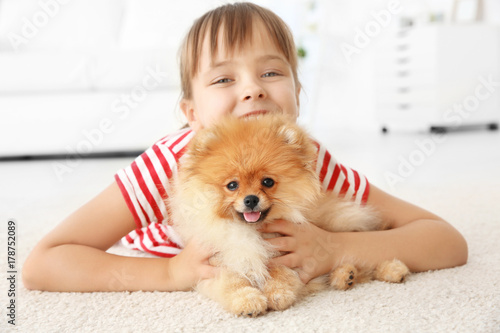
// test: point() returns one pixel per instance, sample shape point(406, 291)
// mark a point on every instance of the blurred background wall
point(86, 76)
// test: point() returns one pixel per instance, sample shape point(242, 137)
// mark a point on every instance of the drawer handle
point(404, 106)
point(403, 73)
point(402, 47)
point(405, 27)
point(403, 60)
point(403, 90)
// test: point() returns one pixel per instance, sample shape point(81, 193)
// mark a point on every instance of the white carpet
point(463, 299)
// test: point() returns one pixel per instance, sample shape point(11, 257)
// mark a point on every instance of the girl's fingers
point(280, 226)
point(304, 277)
point(284, 244)
point(289, 260)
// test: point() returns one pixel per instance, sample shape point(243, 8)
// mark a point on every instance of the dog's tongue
point(252, 216)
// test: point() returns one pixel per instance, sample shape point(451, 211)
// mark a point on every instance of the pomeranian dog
point(242, 173)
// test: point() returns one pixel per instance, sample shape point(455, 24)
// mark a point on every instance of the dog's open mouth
point(253, 217)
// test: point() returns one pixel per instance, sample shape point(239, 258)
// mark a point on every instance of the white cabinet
point(438, 77)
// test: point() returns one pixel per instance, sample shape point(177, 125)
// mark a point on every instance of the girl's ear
point(187, 108)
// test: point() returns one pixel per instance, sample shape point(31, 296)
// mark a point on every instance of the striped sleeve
point(344, 181)
point(145, 184)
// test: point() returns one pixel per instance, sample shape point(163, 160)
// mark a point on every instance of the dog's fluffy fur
point(242, 173)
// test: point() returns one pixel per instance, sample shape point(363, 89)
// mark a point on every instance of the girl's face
point(255, 79)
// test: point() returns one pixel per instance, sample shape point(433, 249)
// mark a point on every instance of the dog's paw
point(248, 301)
point(280, 299)
point(392, 271)
point(282, 288)
point(343, 277)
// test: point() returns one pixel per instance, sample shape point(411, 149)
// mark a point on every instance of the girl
point(238, 59)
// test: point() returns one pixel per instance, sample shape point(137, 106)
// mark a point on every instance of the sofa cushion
point(43, 71)
point(61, 24)
point(115, 69)
point(125, 68)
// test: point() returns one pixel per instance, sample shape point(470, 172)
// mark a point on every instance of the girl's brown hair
point(236, 20)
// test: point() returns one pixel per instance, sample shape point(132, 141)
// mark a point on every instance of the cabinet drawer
point(405, 79)
point(405, 62)
point(404, 111)
point(406, 95)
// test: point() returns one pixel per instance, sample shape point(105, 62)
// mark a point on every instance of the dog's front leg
point(235, 293)
point(248, 258)
point(283, 287)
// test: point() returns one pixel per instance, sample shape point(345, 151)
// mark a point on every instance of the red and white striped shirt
point(145, 184)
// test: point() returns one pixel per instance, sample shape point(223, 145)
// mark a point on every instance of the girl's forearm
point(422, 245)
point(81, 268)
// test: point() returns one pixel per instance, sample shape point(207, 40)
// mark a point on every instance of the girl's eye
point(232, 186)
point(224, 80)
point(268, 182)
point(270, 74)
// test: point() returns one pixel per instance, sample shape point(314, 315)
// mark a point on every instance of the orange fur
point(242, 173)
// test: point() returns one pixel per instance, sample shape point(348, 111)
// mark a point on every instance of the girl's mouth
point(254, 113)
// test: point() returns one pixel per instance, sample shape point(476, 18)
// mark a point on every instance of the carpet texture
point(462, 299)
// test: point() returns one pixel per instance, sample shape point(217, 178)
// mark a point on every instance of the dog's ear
point(200, 144)
point(299, 140)
point(290, 134)
point(293, 135)
point(205, 138)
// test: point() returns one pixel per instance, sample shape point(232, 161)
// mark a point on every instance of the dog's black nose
point(251, 201)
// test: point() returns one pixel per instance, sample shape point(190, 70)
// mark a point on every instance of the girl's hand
point(312, 251)
point(191, 266)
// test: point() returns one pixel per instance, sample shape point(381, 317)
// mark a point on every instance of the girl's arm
point(73, 256)
point(422, 240)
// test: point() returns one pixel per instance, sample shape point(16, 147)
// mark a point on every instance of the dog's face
point(257, 170)
point(250, 195)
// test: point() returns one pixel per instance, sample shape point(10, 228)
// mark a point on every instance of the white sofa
point(93, 76)
point(89, 76)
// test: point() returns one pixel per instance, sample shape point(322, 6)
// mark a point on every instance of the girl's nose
point(253, 91)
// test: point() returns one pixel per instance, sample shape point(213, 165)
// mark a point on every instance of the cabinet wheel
point(438, 129)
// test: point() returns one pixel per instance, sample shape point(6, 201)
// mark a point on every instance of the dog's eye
point(268, 182)
point(232, 186)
